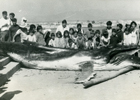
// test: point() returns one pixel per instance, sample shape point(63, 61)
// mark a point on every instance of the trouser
point(4, 35)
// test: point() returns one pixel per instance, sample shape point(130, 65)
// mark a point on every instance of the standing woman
point(134, 33)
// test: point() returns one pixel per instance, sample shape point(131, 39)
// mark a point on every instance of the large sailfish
point(114, 61)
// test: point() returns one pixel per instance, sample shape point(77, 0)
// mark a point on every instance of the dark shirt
point(114, 40)
point(120, 35)
point(12, 31)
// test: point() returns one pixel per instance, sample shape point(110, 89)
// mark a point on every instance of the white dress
point(127, 39)
point(134, 37)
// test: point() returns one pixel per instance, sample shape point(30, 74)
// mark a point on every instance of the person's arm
point(17, 33)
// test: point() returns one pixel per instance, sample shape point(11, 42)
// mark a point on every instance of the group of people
point(65, 37)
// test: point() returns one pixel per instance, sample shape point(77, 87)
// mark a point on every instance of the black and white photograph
point(69, 49)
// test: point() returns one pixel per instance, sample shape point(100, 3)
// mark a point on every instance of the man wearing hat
point(12, 31)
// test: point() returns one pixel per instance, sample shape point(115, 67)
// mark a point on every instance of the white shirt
point(127, 39)
point(22, 35)
point(61, 29)
point(134, 37)
point(52, 43)
point(109, 32)
point(31, 38)
point(4, 22)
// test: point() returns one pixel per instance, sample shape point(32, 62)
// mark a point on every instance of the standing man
point(63, 27)
point(4, 26)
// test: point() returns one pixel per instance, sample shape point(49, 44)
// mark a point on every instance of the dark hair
point(14, 20)
point(109, 23)
point(79, 33)
point(64, 21)
point(59, 33)
point(114, 30)
point(39, 27)
point(4, 12)
point(79, 24)
point(52, 34)
point(133, 22)
point(32, 26)
point(127, 25)
point(72, 30)
point(97, 31)
point(105, 33)
point(65, 33)
point(70, 41)
point(12, 14)
point(120, 26)
point(89, 25)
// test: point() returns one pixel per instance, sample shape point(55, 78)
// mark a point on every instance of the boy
point(114, 38)
point(11, 16)
point(119, 33)
point(40, 36)
point(108, 28)
point(12, 31)
point(80, 41)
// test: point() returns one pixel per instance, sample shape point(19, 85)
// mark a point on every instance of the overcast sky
point(56, 10)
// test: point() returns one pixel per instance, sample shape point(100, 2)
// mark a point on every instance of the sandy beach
point(33, 84)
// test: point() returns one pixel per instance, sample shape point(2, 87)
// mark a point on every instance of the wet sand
point(59, 85)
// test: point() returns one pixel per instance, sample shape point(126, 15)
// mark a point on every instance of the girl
point(71, 32)
point(74, 40)
point(134, 33)
point(52, 41)
point(97, 39)
point(126, 38)
point(59, 41)
point(105, 39)
point(66, 39)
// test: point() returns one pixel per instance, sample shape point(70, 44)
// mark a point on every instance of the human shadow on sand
point(9, 95)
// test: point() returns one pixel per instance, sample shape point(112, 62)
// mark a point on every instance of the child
point(80, 41)
point(89, 30)
point(40, 36)
point(105, 39)
point(89, 44)
point(71, 32)
point(66, 38)
point(59, 41)
point(114, 38)
point(31, 37)
point(74, 40)
point(126, 38)
point(12, 30)
point(97, 39)
point(79, 28)
point(52, 41)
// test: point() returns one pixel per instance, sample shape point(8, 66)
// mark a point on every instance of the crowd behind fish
point(66, 37)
